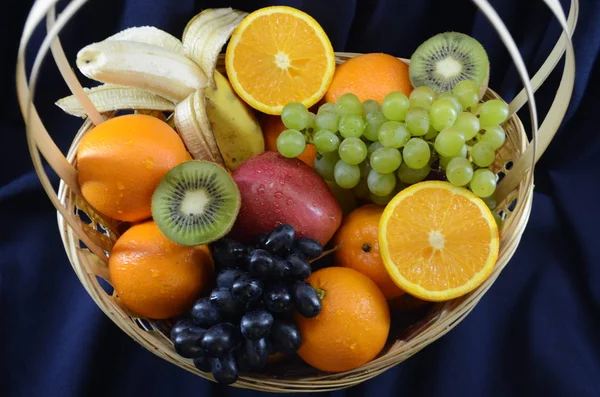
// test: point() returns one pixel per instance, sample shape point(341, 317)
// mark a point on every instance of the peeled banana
point(150, 35)
point(152, 68)
point(149, 70)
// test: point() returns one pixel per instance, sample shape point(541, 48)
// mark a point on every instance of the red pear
point(277, 190)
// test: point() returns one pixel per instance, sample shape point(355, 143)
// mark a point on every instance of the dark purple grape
point(202, 362)
point(225, 303)
point(226, 277)
point(299, 266)
point(280, 240)
point(260, 263)
point(310, 247)
point(179, 327)
point(225, 369)
point(256, 325)
point(228, 253)
point(256, 353)
point(262, 238)
point(247, 289)
point(241, 359)
point(281, 268)
point(277, 297)
point(271, 345)
point(286, 337)
point(220, 339)
point(187, 342)
point(305, 299)
point(205, 314)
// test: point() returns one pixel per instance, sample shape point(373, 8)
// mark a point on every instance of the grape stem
point(325, 253)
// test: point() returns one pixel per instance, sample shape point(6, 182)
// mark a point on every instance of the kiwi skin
point(163, 217)
point(418, 76)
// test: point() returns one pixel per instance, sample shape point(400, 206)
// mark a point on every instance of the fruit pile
point(288, 207)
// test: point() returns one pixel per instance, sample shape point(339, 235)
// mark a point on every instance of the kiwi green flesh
point(447, 58)
point(196, 203)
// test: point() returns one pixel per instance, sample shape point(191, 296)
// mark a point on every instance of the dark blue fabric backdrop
point(535, 333)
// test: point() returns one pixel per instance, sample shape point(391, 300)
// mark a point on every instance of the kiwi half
point(447, 58)
point(196, 202)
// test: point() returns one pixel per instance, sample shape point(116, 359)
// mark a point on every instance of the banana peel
point(234, 125)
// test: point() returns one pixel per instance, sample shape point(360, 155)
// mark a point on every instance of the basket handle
point(38, 138)
point(541, 138)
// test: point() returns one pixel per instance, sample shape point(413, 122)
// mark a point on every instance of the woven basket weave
point(88, 237)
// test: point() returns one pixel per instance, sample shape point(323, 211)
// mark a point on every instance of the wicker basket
point(88, 237)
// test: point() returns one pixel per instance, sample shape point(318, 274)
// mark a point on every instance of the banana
point(149, 67)
point(150, 35)
point(110, 97)
point(191, 122)
point(233, 124)
point(205, 35)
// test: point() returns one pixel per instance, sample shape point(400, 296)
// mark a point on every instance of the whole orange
point(370, 76)
point(121, 161)
point(357, 239)
point(353, 325)
point(155, 277)
point(272, 127)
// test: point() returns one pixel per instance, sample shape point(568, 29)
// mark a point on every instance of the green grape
point(344, 197)
point(325, 163)
point(416, 153)
point(498, 219)
point(493, 135)
point(327, 120)
point(352, 126)
point(417, 121)
point(468, 123)
point(483, 183)
point(492, 112)
point(381, 200)
point(449, 142)
point(393, 134)
point(361, 190)
point(372, 147)
point(327, 107)
point(431, 134)
point(326, 141)
point(456, 102)
point(348, 104)
point(445, 160)
point(459, 171)
point(291, 143)
point(467, 93)
point(381, 184)
point(475, 108)
point(410, 175)
point(394, 106)
point(385, 160)
point(370, 106)
point(295, 116)
point(442, 113)
point(483, 154)
point(346, 175)
point(374, 121)
point(352, 151)
point(365, 167)
point(421, 97)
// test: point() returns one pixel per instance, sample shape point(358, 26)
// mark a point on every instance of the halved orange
point(438, 241)
point(278, 55)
